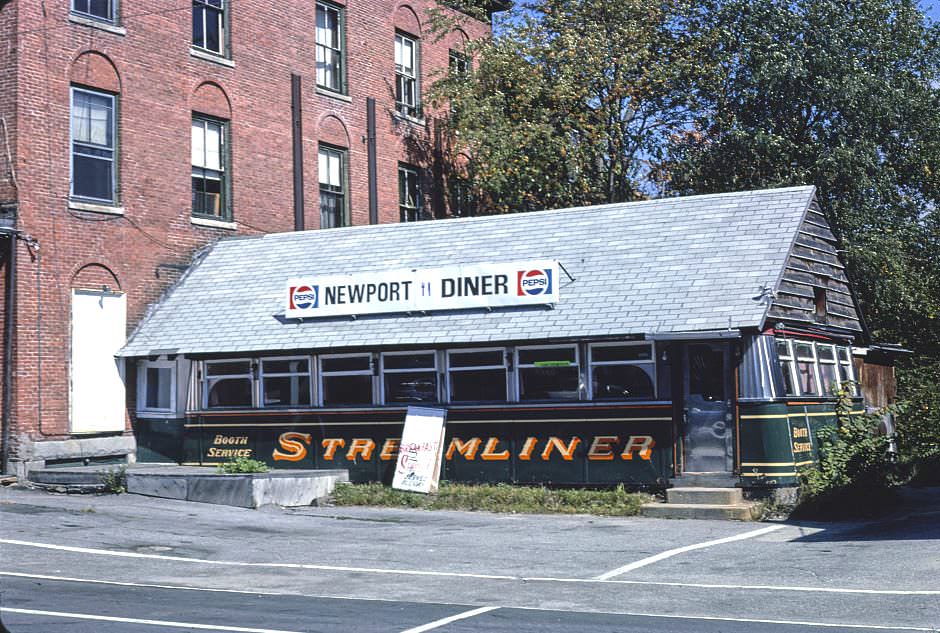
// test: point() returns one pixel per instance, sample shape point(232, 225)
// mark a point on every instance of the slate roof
point(655, 267)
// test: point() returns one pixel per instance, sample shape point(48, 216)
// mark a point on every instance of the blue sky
point(931, 8)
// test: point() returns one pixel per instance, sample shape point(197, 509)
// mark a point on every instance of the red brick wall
point(159, 88)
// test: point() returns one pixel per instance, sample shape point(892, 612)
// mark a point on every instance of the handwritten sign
point(419, 455)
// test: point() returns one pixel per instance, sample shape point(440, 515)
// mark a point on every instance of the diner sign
point(425, 289)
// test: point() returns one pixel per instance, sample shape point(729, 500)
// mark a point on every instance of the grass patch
point(242, 465)
point(496, 498)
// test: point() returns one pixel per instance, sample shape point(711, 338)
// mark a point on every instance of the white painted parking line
point(711, 618)
point(688, 548)
point(166, 623)
point(589, 581)
point(229, 563)
point(454, 618)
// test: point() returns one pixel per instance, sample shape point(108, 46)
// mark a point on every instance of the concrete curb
point(283, 488)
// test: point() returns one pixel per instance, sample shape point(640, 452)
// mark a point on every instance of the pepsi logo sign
point(533, 283)
point(303, 297)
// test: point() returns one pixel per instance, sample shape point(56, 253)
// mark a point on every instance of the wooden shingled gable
point(813, 265)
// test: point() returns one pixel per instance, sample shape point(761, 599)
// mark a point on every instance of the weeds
point(497, 498)
point(115, 481)
point(242, 465)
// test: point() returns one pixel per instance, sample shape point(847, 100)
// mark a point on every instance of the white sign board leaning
point(413, 290)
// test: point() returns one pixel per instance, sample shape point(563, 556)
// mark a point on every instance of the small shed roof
point(658, 267)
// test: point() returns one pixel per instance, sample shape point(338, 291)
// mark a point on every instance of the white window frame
point(112, 148)
point(311, 376)
point(520, 366)
point(341, 190)
point(321, 374)
point(382, 371)
point(339, 52)
point(204, 381)
point(224, 213)
point(405, 209)
point(223, 17)
point(794, 377)
point(470, 350)
point(589, 382)
point(848, 364)
point(820, 362)
point(405, 76)
point(815, 360)
point(111, 18)
point(142, 409)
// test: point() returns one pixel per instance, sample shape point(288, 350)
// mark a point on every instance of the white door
point(96, 395)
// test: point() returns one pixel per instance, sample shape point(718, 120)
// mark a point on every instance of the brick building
point(133, 135)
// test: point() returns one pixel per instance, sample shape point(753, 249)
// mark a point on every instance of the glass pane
point(91, 118)
point(351, 363)
point(199, 17)
point(159, 388)
point(621, 353)
point(92, 178)
point(411, 361)
point(548, 383)
point(825, 352)
point(287, 391)
point(843, 354)
point(416, 386)
point(213, 146)
point(786, 367)
point(706, 373)
point(230, 392)
point(228, 368)
point(804, 350)
point(326, 27)
point(806, 374)
point(207, 195)
point(198, 144)
point(214, 30)
point(100, 8)
point(476, 359)
point(827, 373)
point(481, 385)
point(552, 355)
point(783, 349)
point(346, 390)
point(331, 210)
point(286, 366)
point(619, 382)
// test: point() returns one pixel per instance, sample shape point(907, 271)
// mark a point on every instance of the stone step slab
point(710, 496)
point(697, 511)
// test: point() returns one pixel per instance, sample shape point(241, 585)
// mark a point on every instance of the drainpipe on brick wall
point(370, 139)
point(297, 132)
point(10, 302)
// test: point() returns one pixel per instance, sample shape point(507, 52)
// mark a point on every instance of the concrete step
point(73, 476)
point(736, 512)
point(708, 496)
point(704, 480)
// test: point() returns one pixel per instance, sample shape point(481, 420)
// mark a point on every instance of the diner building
point(627, 343)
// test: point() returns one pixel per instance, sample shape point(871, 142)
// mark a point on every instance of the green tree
point(572, 99)
point(844, 95)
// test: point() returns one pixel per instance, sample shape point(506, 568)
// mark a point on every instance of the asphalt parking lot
point(128, 563)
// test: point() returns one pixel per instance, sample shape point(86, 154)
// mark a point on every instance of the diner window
point(346, 380)
point(406, 75)
point(94, 141)
point(548, 373)
point(285, 382)
point(623, 371)
point(228, 383)
point(787, 367)
point(806, 371)
point(477, 375)
point(209, 18)
point(329, 47)
point(156, 384)
point(332, 168)
point(98, 9)
point(846, 371)
point(208, 168)
point(409, 194)
point(828, 369)
point(409, 377)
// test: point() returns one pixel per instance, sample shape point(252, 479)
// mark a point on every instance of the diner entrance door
point(708, 442)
